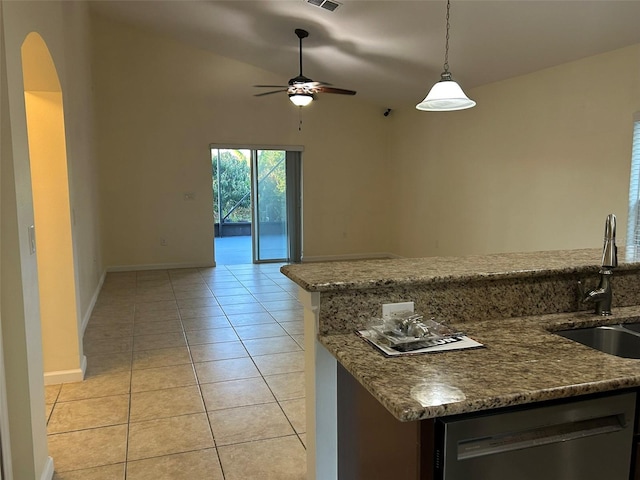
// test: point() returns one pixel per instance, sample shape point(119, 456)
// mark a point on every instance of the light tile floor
point(192, 374)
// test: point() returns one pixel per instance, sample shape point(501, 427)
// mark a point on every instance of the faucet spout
point(602, 295)
point(610, 250)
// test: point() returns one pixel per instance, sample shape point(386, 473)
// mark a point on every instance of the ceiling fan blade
point(269, 93)
point(271, 86)
point(341, 91)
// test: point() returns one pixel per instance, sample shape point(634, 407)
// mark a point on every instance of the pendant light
point(446, 95)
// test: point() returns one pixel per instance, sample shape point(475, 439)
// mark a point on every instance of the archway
point(61, 343)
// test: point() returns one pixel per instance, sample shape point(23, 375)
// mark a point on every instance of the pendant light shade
point(446, 95)
point(301, 99)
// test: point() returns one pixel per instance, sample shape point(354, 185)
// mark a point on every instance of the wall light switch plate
point(389, 308)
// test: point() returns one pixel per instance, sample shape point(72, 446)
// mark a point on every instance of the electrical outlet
point(163, 242)
point(389, 308)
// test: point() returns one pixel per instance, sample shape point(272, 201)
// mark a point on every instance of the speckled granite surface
point(522, 363)
point(328, 276)
point(508, 302)
point(463, 301)
point(461, 289)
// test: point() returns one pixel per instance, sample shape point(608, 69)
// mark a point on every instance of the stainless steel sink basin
point(635, 327)
point(617, 340)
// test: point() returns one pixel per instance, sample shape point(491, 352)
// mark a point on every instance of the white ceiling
point(392, 51)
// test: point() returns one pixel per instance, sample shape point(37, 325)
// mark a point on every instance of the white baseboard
point(353, 256)
point(47, 472)
point(158, 266)
point(66, 376)
point(92, 304)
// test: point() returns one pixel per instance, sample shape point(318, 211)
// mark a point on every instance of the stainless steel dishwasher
point(581, 439)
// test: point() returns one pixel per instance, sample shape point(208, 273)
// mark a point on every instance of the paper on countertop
point(455, 342)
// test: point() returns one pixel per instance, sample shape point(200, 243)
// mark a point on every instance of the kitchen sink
point(619, 340)
point(635, 327)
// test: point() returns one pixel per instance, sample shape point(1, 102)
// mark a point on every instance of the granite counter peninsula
point(509, 302)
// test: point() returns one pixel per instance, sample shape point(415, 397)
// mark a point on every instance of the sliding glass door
point(270, 230)
point(274, 199)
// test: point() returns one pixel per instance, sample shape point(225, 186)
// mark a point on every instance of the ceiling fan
point(301, 90)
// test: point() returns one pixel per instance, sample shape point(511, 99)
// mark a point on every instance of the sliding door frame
point(293, 162)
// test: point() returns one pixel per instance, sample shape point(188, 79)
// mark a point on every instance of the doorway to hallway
point(257, 204)
point(53, 245)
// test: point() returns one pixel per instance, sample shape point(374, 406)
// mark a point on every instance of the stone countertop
point(332, 276)
point(522, 362)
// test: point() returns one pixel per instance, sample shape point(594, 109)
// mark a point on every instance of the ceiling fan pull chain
point(300, 121)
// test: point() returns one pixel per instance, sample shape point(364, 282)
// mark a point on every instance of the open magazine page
point(454, 342)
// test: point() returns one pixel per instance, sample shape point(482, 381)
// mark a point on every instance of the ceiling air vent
point(326, 4)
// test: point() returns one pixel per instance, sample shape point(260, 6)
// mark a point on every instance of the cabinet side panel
point(371, 442)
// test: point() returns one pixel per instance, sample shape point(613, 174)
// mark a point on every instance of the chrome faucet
point(602, 295)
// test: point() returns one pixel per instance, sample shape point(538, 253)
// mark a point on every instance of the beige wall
point(64, 28)
point(77, 90)
point(161, 103)
point(537, 165)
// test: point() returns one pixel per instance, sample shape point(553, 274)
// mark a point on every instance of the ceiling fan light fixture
point(301, 99)
point(446, 95)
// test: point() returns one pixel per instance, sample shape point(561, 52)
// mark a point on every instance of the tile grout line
point(197, 378)
point(251, 356)
point(277, 401)
point(126, 451)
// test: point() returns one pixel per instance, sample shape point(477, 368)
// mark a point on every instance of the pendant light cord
point(446, 48)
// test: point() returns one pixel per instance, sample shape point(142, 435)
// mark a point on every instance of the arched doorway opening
point(61, 342)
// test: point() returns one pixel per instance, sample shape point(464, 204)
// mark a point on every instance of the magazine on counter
point(428, 345)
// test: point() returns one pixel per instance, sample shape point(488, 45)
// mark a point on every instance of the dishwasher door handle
point(564, 432)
